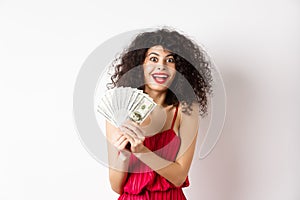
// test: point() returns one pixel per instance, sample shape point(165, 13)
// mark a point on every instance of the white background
point(255, 44)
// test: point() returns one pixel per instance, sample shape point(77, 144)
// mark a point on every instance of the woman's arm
point(175, 172)
point(118, 157)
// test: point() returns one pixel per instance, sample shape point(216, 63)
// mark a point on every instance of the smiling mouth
point(160, 78)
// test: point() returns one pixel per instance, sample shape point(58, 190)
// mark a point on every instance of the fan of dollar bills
point(123, 103)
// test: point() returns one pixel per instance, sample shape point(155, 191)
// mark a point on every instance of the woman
point(152, 160)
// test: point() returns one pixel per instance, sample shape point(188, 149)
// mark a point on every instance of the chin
point(158, 88)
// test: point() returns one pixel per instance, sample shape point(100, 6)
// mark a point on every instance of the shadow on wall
point(220, 176)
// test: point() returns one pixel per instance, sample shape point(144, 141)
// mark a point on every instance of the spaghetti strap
point(174, 118)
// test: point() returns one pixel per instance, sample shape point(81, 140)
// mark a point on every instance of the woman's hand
point(135, 135)
point(120, 141)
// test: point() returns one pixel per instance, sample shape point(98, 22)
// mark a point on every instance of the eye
point(171, 60)
point(153, 59)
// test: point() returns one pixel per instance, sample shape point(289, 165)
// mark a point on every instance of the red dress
point(145, 184)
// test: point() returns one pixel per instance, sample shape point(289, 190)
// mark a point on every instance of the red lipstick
point(160, 78)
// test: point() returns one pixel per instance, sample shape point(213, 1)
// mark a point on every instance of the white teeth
point(160, 76)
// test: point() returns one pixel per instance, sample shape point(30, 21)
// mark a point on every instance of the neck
point(158, 96)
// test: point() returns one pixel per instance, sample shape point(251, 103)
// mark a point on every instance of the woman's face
point(159, 69)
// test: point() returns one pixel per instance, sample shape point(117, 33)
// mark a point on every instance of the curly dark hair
point(193, 83)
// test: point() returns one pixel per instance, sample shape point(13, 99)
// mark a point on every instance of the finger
point(134, 130)
point(128, 131)
point(134, 127)
point(129, 134)
point(120, 141)
point(123, 144)
point(129, 137)
point(134, 141)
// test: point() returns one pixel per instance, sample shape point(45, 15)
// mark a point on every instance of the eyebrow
point(170, 54)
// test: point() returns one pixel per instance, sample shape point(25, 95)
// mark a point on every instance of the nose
point(161, 65)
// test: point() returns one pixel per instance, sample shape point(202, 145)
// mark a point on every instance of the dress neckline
point(172, 126)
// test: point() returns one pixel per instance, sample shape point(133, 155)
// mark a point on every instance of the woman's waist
point(172, 193)
point(150, 181)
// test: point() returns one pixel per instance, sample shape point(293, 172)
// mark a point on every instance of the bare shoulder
point(189, 117)
point(185, 112)
point(188, 130)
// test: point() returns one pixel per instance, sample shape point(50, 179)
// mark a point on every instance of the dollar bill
point(123, 103)
point(142, 109)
